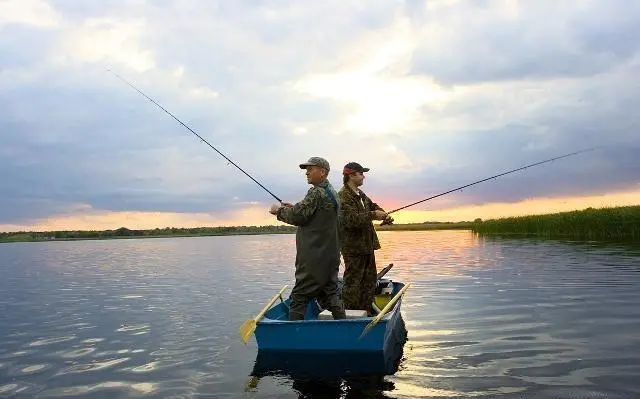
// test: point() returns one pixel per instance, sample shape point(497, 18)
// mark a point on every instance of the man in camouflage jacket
point(358, 239)
point(317, 246)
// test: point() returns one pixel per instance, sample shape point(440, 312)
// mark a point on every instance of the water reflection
point(334, 375)
point(486, 318)
point(611, 246)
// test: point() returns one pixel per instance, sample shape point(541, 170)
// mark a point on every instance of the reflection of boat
point(319, 333)
point(330, 375)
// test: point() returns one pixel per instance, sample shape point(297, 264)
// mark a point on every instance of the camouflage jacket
point(317, 246)
point(357, 234)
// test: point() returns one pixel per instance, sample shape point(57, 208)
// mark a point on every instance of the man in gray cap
point(317, 246)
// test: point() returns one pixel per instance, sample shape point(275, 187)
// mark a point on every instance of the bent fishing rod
point(488, 178)
point(191, 130)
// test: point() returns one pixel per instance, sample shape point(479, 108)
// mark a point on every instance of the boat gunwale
point(396, 308)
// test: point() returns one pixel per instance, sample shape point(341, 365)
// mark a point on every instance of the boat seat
point(351, 314)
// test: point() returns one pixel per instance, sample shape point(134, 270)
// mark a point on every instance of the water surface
point(486, 318)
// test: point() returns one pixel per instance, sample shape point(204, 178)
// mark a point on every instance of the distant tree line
point(124, 232)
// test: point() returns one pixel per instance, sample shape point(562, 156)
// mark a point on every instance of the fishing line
point(191, 130)
point(489, 178)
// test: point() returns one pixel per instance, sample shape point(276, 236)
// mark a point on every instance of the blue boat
point(320, 333)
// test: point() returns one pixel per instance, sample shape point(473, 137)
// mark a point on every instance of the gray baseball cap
point(316, 161)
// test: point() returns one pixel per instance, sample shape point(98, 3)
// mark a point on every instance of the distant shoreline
point(173, 232)
point(604, 223)
point(125, 233)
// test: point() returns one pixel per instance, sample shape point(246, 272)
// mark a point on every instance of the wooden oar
point(248, 327)
point(384, 310)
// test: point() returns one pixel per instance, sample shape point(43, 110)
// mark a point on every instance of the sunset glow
point(258, 215)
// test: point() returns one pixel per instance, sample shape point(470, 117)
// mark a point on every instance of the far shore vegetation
point(615, 223)
point(123, 232)
point(592, 224)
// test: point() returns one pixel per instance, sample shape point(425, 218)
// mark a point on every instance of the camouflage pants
point(359, 281)
point(327, 296)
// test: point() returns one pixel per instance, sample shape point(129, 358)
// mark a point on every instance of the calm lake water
point(486, 318)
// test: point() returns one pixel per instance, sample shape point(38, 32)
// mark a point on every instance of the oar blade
point(252, 383)
point(249, 327)
point(246, 330)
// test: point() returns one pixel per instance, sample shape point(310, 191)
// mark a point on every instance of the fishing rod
point(191, 130)
point(488, 178)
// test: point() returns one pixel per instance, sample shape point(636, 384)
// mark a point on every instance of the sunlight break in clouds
point(381, 97)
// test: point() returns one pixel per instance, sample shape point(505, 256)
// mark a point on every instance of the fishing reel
point(387, 221)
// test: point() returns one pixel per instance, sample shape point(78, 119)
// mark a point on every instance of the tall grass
point(600, 224)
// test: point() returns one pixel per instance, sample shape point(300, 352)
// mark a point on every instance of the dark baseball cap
point(316, 161)
point(353, 167)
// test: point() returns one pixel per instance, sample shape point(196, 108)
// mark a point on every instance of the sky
point(430, 95)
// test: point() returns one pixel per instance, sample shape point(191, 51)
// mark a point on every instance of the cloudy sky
point(430, 95)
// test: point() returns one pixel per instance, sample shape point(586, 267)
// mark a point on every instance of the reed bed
point(595, 224)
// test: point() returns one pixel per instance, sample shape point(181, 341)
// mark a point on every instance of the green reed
point(603, 223)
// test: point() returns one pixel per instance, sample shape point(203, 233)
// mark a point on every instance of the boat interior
point(385, 291)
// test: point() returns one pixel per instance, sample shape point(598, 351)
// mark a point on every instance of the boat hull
point(328, 364)
point(276, 333)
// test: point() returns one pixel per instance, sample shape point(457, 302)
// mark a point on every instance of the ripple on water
point(95, 366)
point(8, 388)
point(131, 296)
point(80, 325)
point(134, 328)
point(16, 354)
point(578, 392)
point(34, 368)
point(146, 368)
point(21, 370)
point(132, 389)
point(72, 354)
point(520, 338)
point(18, 334)
point(18, 388)
point(55, 340)
point(92, 340)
